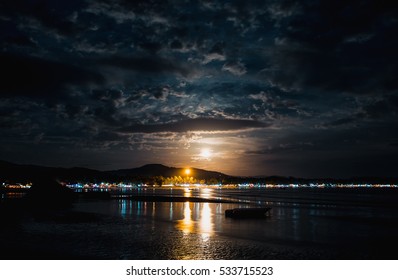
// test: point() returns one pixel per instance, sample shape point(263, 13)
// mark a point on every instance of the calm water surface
point(302, 224)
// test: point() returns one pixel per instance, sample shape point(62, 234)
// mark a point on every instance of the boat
point(241, 213)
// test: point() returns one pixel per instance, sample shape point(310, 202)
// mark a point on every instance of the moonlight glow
point(205, 153)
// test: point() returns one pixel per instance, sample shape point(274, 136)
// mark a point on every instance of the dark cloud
point(50, 15)
point(147, 64)
point(196, 125)
point(218, 48)
point(38, 77)
point(19, 40)
point(342, 121)
point(115, 76)
point(337, 46)
point(337, 151)
point(384, 107)
point(176, 44)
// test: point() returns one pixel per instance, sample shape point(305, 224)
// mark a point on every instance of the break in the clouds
point(303, 88)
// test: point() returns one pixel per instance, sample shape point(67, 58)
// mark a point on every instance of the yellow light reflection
point(206, 225)
point(198, 220)
point(187, 192)
point(187, 224)
point(205, 193)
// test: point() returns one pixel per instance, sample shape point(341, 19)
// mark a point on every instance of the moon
point(206, 153)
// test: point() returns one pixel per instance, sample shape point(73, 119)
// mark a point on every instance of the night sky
point(291, 88)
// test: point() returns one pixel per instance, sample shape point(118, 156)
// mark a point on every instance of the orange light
point(187, 171)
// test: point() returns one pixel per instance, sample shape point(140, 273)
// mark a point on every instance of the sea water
point(302, 224)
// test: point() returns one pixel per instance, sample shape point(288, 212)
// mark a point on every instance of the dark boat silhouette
point(244, 213)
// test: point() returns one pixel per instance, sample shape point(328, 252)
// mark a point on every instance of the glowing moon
point(205, 153)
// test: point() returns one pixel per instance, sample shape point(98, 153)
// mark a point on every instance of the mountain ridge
point(26, 172)
point(19, 173)
point(156, 169)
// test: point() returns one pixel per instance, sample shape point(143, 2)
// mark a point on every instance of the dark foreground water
point(302, 224)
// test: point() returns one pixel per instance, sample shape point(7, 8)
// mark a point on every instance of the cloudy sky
point(293, 88)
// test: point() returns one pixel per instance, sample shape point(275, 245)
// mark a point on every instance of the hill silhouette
point(24, 173)
point(18, 173)
point(150, 170)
